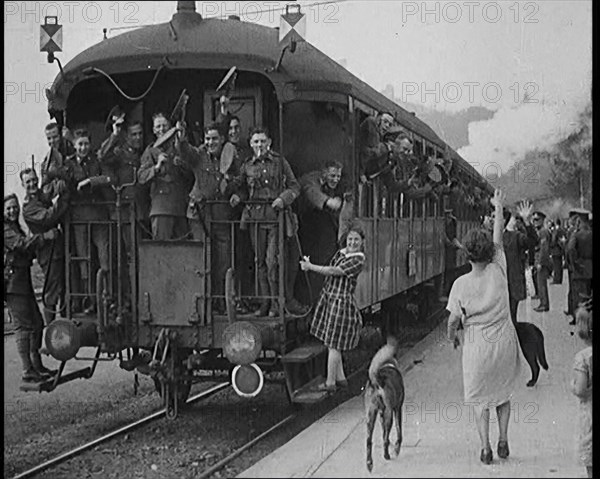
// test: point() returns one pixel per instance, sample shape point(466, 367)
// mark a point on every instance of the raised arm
point(497, 201)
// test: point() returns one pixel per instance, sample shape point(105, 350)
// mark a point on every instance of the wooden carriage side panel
point(403, 281)
point(366, 285)
point(385, 257)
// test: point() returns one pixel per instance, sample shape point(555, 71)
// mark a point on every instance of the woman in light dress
point(491, 357)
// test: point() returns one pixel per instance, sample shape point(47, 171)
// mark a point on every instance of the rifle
point(178, 114)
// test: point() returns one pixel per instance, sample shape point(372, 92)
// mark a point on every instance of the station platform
point(440, 435)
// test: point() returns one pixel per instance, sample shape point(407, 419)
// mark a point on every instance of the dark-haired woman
point(337, 321)
point(491, 358)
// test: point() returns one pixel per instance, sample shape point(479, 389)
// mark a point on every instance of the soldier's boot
point(34, 353)
point(263, 285)
point(30, 375)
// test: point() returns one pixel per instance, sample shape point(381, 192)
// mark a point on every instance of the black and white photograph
point(346, 238)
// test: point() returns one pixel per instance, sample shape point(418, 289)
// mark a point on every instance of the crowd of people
point(483, 300)
point(228, 188)
point(179, 190)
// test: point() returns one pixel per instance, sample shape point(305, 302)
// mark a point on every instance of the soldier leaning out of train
point(41, 215)
point(373, 149)
point(322, 205)
point(53, 162)
point(214, 181)
point(19, 251)
point(88, 214)
point(268, 179)
point(167, 175)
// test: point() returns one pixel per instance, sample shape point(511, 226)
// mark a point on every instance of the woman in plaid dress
point(337, 321)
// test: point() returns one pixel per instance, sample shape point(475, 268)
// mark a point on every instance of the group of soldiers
point(179, 191)
point(532, 240)
point(387, 156)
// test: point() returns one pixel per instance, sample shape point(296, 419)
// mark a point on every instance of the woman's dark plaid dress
point(337, 321)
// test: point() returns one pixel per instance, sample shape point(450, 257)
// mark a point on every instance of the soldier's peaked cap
point(539, 214)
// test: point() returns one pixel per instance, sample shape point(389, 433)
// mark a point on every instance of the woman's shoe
point(503, 451)
point(486, 456)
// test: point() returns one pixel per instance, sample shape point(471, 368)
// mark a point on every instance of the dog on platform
point(384, 396)
point(531, 340)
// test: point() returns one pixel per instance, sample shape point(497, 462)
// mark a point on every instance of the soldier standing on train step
point(167, 176)
point(214, 181)
point(268, 177)
point(42, 215)
point(119, 156)
point(236, 149)
point(89, 188)
point(52, 164)
point(579, 253)
point(18, 290)
point(543, 264)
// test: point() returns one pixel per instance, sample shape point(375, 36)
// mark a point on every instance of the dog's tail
point(541, 350)
point(386, 353)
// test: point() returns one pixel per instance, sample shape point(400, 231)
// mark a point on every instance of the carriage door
point(245, 103)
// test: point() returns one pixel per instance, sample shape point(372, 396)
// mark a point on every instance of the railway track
point(111, 435)
point(220, 464)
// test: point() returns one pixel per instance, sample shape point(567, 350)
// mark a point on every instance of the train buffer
point(305, 361)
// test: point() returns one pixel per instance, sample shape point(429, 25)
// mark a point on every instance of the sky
point(530, 62)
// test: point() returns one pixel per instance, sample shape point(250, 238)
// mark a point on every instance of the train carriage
point(314, 108)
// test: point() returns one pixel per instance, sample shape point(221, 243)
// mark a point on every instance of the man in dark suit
point(579, 252)
point(571, 228)
point(516, 240)
point(542, 261)
point(556, 252)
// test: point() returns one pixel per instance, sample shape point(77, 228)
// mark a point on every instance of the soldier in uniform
point(320, 204)
point(42, 215)
point(52, 166)
point(579, 251)
point(267, 177)
point(556, 251)
point(374, 151)
point(18, 290)
point(214, 181)
point(542, 261)
point(167, 176)
point(236, 149)
point(119, 157)
point(88, 185)
point(571, 228)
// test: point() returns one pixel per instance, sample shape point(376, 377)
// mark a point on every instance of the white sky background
point(417, 47)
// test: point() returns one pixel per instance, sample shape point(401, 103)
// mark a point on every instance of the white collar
point(352, 255)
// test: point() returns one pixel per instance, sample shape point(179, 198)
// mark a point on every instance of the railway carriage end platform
point(440, 436)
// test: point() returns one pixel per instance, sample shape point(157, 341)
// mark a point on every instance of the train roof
point(190, 41)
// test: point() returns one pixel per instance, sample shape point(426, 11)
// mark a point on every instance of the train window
point(429, 151)
point(418, 147)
